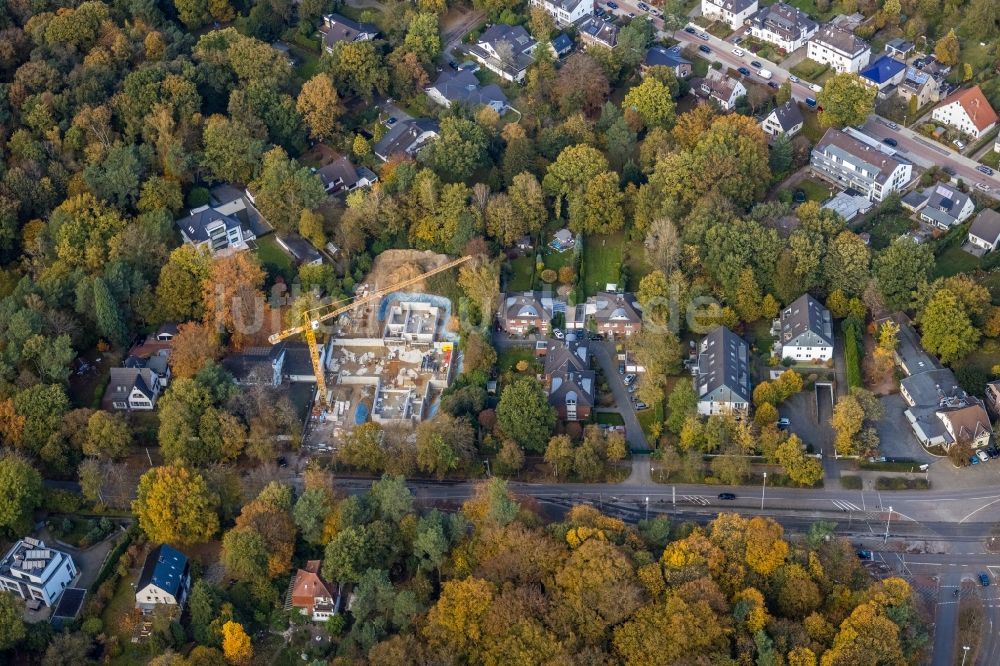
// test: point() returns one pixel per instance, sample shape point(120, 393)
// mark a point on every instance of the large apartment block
point(35, 572)
point(784, 26)
point(722, 376)
point(851, 163)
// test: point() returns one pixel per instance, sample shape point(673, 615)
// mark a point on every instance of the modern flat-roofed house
point(899, 48)
point(968, 111)
point(337, 29)
point(505, 50)
point(570, 380)
point(806, 330)
point(595, 32)
point(985, 230)
point(784, 119)
point(462, 87)
point(658, 56)
point(216, 227)
point(837, 46)
point(314, 597)
point(851, 163)
point(722, 376)
point(35, 572)
point(942, 205)
point(885, 74)
point(407, 137)
point(565, 12)
point(132, 390)
point(341, 175)
point(522, 313)
point(723, 90)
point(733, 12)
point(165, 580)
point(784, 26)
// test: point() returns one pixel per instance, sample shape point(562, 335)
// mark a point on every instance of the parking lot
point(800, 409)
point(896, 439)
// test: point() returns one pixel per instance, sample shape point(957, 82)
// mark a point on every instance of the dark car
point(391, 121)
point(773, 84)
point(282, 462)
point(993, 452)
point(889, 141)
point(727, 496)
point(756, 64)
point(691, 31)
point(704, 49)
point(744, 71)
point(948, 170)
point(865, 555)
point(621, 368)
point(453, 64)
point(984, 579)
point(985, 169)
point(612, 5)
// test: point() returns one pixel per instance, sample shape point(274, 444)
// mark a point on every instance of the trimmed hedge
point(852, 351)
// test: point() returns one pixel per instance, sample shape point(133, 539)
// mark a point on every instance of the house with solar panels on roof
point(941, 204)
point(165, 580)
point(722, 375)
point(36, 573)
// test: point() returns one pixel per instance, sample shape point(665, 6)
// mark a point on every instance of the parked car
point(974, 460)
point(282, 462)
point(984, 579)
point(773, 84)
point(948, 170)
point(765, 74)
point(993, 452)
point(783, 423)
point(704, 49)
point(704, 35)
point(621, 368)
point(982, 455)
point(739, 52)
point(727, 496)
point(559, 335)
point(793, 78)
point(891, 125)
point(865, 554)
point(643, 6)
point(631, 15)
point(810, 102)
point(889, 141)
point(596, 336)
point(640, 405)
point(983, 186)
point(985, 169)
point(744, 71)
point(612, 5)
point(959, 144)
point(690, 30)
point(632, 388)
point(390, 121)
point(815, 87)
point(629, 378)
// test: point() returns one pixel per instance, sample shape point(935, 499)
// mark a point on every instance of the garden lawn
point(886, 229)
point(509, 358)
point(991, 159)
point(810, 70)
point(272, 257)
point(608, 418)
point(522, 274)
point(814, 190)
point(602, 260)
point(119, 607)
point(952, 261)
point(810, 127)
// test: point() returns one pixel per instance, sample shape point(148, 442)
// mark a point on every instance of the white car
point(958, 144)
point(559, 335)
point(815, 87)
point(793, 78)
point(982, 456)
point(629, 378)
point(983, 186)
point(738, 52)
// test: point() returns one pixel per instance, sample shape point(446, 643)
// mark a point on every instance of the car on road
point(390, 121)
point(704, 35)
point(783, 423)
point(629, 378)
point(756, 64)
point(631, 15)
point(815, 87)
point(691, 31)
point(948, 170)
point(810, 102)
point(983, 186)
point(643, 6)
point(793, 78)
point(889, 141)
point(985, 169)
point(612, 5)
point(744, 71)
point(727, 496)
point(974, 460)
point(621, 368)
point(773, 84)
point(704, 49)
point(739, 52)
point(559, 335)
point(765, 74)
point(865, 555)
point(982, 455)
point(984, 579)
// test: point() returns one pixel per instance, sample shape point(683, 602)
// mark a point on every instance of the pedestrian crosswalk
point(844, 505)
point(695, 499)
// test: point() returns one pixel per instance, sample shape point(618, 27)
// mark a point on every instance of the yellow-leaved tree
point(174, 505)
point(236, 644)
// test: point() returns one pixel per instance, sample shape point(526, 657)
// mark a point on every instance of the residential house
point(337, 29)
point(520, 314)
point(942, 205)
point(506, 50)
point(595, 32)
point(407, 137)
point(167, 331)
point(985, 230)
point(922, 84)
point(784, 26)
point(899, 48)
point(968, 111)
point(733, 12)
point(722, 375)
point(159, 363)
point(885, 74)
point(220, 228)
point(561, 45)
point(566, 12)
point(608, 313)
point(993, 397)
point(805, 330)
point(165, 580)
point(314, 597)
point(35, 572)
point(570, 380)
point(462, 88)
point(341, 175)
point(723, 90)
point(132, 389)
point(658, 56)
point(784, 119)
point(851, 163)
point(837, 46)
point(849, 204)
point(271, 366)
point(562, 240)
point(301, 250)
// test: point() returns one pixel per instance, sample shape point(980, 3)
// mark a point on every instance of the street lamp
point(763, 487)
point(965, 653)
point(887, 520)
point(647, 508)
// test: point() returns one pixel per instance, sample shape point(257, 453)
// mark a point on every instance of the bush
point(852, 351)
point(899, 483)
point(62, 501)
point(198, 196)
point(851, 482)
point(92, 626)
point(548, 276)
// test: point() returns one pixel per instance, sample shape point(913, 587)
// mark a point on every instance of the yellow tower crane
point(314, 317)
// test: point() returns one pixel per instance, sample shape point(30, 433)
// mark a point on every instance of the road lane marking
point(978, 510)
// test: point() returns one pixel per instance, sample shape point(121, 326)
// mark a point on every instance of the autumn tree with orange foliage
point(233, 300)
point(194, 345)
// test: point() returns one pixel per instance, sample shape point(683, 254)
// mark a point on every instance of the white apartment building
point(838, 47)
point(566, 12)
point(733, 12)
point(33, 571)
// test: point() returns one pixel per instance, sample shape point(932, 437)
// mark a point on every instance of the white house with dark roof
point(805, 330)
point(338, 29)
point(217, 228)
point(165, 580)
point(341, 175)
point(784, 119)
point(985, 230)
point(723, 90)
point(733, 12)
point(132, 390)
point(968, 111)
point(851, 163)
point(722, 375)
point(407, 137)
point(35, 572)
point(463, 88)
point(836, 45)
point(942, 205)
point(785, 26)
point(505, 50)
point(565, 12)
point(595, 32)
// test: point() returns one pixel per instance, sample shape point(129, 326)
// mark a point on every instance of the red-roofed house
point(968, 111)
point(313, 596)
